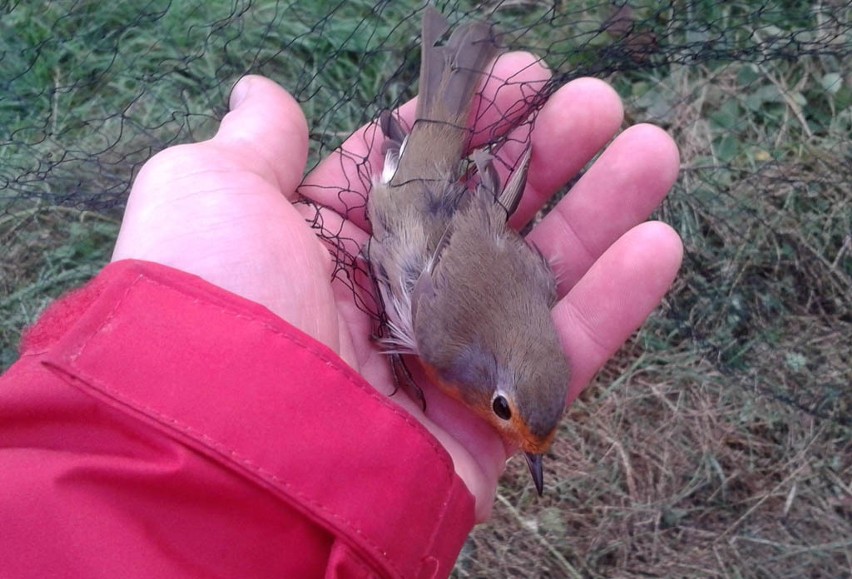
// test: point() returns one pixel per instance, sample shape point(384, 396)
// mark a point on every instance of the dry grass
point(664, 477)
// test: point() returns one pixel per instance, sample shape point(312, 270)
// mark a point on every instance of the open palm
point(225, 210)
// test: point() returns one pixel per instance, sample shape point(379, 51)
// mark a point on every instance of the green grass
point(88, 95)
point(717, 443)
point(48, 250)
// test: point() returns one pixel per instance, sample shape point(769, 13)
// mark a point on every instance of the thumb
point(267, 131)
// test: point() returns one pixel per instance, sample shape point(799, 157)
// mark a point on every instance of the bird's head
point(519, 388)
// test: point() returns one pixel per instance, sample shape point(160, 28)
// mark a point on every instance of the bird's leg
point(400, 369)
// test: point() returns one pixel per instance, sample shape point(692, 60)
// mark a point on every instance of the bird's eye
point(501, 407)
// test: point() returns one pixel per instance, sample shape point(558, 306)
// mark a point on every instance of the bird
point(462, 291)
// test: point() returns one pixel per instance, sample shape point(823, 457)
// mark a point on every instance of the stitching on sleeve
point(245, 462)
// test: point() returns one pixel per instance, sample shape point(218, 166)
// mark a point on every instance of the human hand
point(224, 210)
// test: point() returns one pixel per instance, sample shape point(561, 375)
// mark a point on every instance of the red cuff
point(256, 400)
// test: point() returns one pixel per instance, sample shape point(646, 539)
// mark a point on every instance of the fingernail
point(239, 92)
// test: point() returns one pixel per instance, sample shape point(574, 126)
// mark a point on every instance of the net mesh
point(717, 442)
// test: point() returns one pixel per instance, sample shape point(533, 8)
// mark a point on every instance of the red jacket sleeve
point(158, 426)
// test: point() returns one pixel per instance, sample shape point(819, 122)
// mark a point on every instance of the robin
point(462, 291)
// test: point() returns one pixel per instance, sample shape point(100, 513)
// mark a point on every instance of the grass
point(717, 442)
point(48, 250)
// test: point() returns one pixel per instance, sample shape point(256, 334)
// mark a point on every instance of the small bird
point(461, 290)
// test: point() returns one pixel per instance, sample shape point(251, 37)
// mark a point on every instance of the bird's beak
point(536, 470)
